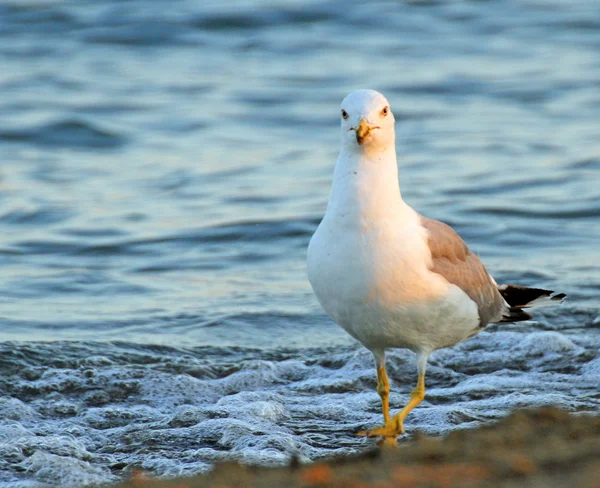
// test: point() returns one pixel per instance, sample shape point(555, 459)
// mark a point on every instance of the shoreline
point(544, 447)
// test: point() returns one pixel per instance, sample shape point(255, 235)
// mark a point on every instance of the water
point(162, 169)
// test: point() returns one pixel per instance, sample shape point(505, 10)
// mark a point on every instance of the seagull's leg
point(395, 426)
point(383, 384)
point(383, 388)
point(416, 397)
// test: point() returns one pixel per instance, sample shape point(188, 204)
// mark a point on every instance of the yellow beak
point(362, 131)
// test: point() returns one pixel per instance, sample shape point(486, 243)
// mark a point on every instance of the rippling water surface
point(162, 168)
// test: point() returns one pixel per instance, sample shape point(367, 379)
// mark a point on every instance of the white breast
point(369, 263)
point(373, 279)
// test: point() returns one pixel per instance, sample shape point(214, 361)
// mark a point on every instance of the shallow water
point(161, 173)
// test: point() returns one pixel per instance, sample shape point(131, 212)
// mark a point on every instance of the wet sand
point(530, 448)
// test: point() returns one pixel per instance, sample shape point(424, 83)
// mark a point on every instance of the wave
point(77, 414)
point(69, 133)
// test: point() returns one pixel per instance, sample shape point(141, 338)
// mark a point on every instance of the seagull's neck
point(365, 185)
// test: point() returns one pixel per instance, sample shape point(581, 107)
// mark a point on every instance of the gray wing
point(454, 261)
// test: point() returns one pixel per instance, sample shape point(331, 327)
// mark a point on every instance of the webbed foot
point(391, 430)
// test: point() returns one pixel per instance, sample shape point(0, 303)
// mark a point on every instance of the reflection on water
point(161, 173)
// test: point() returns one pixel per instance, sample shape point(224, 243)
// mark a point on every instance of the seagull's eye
point(344, 114)
point(385, 111)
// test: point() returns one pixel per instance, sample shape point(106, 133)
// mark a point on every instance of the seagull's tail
point(520, 297)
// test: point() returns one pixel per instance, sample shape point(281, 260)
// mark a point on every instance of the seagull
point(390, 277)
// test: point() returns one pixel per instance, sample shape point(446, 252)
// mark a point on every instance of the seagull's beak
point(362, 131)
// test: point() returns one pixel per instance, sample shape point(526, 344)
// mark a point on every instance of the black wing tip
point(522, 296)
point(516, 314)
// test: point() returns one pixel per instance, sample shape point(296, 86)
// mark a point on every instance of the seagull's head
point(367, 122)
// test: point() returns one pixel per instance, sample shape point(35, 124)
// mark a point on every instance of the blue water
point(163, 166)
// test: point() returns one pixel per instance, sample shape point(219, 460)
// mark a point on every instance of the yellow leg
point(416, 397)
point(383, 388)
point(395, 426)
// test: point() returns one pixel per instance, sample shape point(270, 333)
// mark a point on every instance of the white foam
point(544, 343)
point(156, 417)
point(592, 368)
point(64, 471)
point(10, 430)
point(12, 408)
